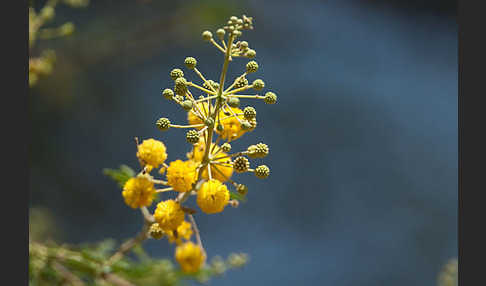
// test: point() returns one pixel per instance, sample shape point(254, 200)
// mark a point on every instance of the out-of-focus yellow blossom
point(184, 231)
point(190, 256)
point(138, 192)
point(231, 126)
point(181, 175)
point(151, 153)
point(169, 215)
point(212, 197)
point(192, 116)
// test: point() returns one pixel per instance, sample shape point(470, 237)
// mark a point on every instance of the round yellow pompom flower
point(151, 153)
point(184, 231)
point(231, 126)
point(212, 197)
point(169, 215)
point(219, 172)
point(138, 192)
point(190, 256)
point(181, 175)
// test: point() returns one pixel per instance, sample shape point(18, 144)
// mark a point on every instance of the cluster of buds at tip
point(214, 121)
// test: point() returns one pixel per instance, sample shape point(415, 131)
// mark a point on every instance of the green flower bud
point(259, 150)
point(241, 164)
point(207, 35)
point(226, 147)
point(192, 136)
point(241, 82)
point(243, 45)
point(213, 84)
point(242, 189)
point(258, 84)
point(190, 62)
point(163, 124)
point(233, 19)
point(251, 67)
point(250, 54)
point(220, 33)
point(234, 101)
point(168, 93)
point(237, 33)
point(176, 73)
point(187, 105)
point(180, 86)
point(249, 112)
point(220, 127)
point(270, 98)
point(262, 171)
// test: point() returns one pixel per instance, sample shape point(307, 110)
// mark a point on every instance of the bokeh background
point(363, 185)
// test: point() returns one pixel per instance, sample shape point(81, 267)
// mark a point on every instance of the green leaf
point(121, 175)
point(237, 196)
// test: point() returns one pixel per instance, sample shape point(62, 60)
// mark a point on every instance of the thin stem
point(236, 80)
point(204, 79)
point(197, 234)
point(206, 98)
point(187, 126)
point(218, 46)
point(201, 88)
point(246, 96)
point(163, 190)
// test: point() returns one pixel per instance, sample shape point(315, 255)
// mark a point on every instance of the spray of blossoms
point(215, 119)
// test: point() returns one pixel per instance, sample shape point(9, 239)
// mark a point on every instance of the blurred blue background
point(363, 139)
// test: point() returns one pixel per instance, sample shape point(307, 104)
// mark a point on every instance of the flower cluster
point(215, 119)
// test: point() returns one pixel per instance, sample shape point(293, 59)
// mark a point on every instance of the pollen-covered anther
point(163, 123)
point(262, 171)
point(258, 84)
point(176, 73)
point(192, 136)
point(251, 67)
point(249, 112)
point(259, 150)
point(241, 164)
point(190, 62)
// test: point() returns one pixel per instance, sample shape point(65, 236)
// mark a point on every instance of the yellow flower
point(169, 215)
point(192, 118)
point(219, 172)
point(190, 256)
point(212, 197)
point(231, 126)
point(183, 231)
point(181, 175)
point(138, 192)
point(151, 153)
